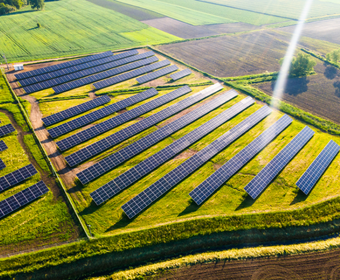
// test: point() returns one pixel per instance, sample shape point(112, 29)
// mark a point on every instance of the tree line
point(8, 6)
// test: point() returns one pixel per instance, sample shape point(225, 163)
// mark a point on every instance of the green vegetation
point(334, 56)
point(301, 65)
point(70, 28)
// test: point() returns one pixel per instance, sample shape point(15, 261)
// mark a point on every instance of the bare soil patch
point(230, 56)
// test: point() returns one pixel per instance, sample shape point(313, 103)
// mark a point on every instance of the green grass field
point(70, 28)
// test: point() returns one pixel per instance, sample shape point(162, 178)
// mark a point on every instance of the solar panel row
point(157, 74)
point(143, 168)
point(180, 74)
point(137, 147)
point(140, 202)
point(109, 124)
point(130, 75)
point(76, 68)
point(318, 167)
point(229, 169)
point(275, 166)
point(101, 113)
point(87, 72)
point(76, 110)
point(61, 65)
point(3, 146)
point(16, 177)
point(6, 129)
point(22, 198)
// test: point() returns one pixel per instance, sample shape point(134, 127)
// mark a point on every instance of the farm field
point(70, 28)
point(231, 56)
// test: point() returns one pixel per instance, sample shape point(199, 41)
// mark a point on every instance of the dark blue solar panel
point(3, 146)
point(16, 177)
point(76, 110)
point(276, 165)
point(157, 74)
point(61, 65)
point(101, 113)
point(76, 68)
point(137, 147)
point(180, 74)
point(318, 167)
point(134, 174)
point(6, 129)
point(229, 169)
point(130, 75)
point(2, 164)
point(88, 72)
point(156, 190)
point(22, 198)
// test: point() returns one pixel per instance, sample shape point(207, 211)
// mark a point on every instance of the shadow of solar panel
point(88, 72)
point(156, 190)
point(157, 74)
point(6, 129)
point(318, 167)
point(96, 115)
point(22, 198)
point(76, 68)
point(148, 165)
point(3, 146)
point(61, 65)
point(76, 110)
point(276, 165)
point(146, 142)
point(16, 177)
point(229, 169)
point(180, 74)
point(130, 75)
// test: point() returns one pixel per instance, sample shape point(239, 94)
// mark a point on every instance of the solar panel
point(6, 129)
point(146, 142)
point(2, 164)
point(101, 113)
point(3, 146)
point(318, 167)
point(87, 72)
point(16, 177)
point(130, 75)
point(229, 169)
point(109, 124)
point(22, 198)
point(76, 68)
point(61, 66)
point(275, 166)
point(156, 190)
point(156, 74)
point(180, 74)
point(76, 110)
point(143, 168)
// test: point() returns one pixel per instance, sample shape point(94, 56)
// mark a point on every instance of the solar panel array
point(163, 185)
point(3, 146)
point(61, 65)
point(22, 198)
point(157, 74)
point(76, 68)
point(130, 75)
point(318, 167)
point(6, 129)
point(101, 113)
point(87, 72)
point(229, 169)
point(143, 168)
point(2, 164)
point(180, 74)
point(76, 110)
point(109, 124)
point(275, 166)
point(16, 177)
point(137, 147)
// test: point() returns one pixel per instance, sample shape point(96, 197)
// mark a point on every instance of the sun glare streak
point(284, 71)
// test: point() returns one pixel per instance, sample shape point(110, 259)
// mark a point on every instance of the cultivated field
point(72, 27)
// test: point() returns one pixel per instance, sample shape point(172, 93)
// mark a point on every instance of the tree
point(36, 4)
point(16, 3)
point(333, 56)
point(301, 65)
point(4, 9)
